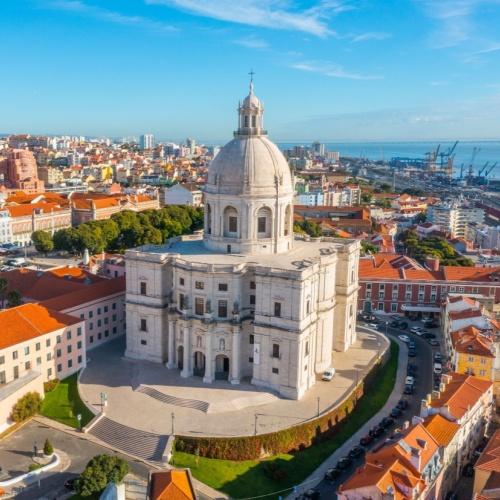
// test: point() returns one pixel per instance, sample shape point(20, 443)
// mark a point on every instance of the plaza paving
point(145, 395)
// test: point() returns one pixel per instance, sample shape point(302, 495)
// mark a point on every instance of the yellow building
point(473, 353)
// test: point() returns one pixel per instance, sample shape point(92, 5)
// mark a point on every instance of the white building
point(147, 141)
point(454, 218)
point(245, 300)
point(5, 227)
point(183, 194)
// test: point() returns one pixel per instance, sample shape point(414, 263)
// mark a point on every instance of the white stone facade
point(245, 300)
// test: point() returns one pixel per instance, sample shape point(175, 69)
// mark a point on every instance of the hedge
point(283, 441)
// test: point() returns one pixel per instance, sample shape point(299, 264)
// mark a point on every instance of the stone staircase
point(142, 444)
point(172, 400)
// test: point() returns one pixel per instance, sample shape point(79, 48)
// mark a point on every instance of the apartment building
point(487, 470)
point(454, 218)
point(36, 344)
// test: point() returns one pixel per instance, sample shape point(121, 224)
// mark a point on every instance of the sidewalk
point(318, 475)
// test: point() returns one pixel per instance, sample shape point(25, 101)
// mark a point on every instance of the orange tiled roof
point(28, 209)
point(461, 393)
point(29, 321)
point(171, 485)
point(466, 313)
point(471, 340)
point(490, 457)
point(458, 273)
point(441, 429)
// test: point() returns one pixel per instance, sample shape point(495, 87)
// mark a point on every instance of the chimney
point(446, 378)
point(406, 425)
point(432, 263)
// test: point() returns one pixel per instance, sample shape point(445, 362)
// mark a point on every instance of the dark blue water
point(488, 151)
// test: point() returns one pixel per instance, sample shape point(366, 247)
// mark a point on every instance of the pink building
point(36, 344)
point(19, 171)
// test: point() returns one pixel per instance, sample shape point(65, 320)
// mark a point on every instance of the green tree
point(26, 407)
point(99, 472)
point(14, 298)
point(367, 247)
point(366, 197)
point(89, 237)
point(420, 218)
point(48, 449)
point(65, 239)
point(43, 241)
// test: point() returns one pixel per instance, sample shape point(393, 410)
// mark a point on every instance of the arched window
point(230, 222)
point(209, 219)
point(264, 222)
point(288, 220)
point(246, 121)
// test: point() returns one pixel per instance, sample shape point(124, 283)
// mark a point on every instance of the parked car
point(328, 374)
point(69, 484)
point(434, 342)
point(396, 412)
point(438, 357)
point(311, 494)
point(372, 325)
point(402, 404)
point(408, 389)
point(403, 325)
point(377, 431)
point(415, 329)
point(409, 380)
point(332, 474)
point(404, 338)
point(366, 440)
point(412, 353)
point(428, 335)
point(357, 451)
point(411, 369)
point(438, 369)
point(386, 422)
point(412, 345)
point(344, 463)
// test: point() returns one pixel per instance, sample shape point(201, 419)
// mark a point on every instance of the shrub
point(26, 407)
point(99, 472)
point(34, 466)
point(51, 385)
point(48, 449)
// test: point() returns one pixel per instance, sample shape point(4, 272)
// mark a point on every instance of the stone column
point(186, 370)
point(171, 344)
point(209, 362)
point(235, 358)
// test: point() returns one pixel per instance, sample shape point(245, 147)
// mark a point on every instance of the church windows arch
point(231, 222)
point(264, 222)
point(288, 220)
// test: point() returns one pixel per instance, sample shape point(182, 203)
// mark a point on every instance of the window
point(39, 361)
point(47, 343)
point(58, 353)
point(80, 359)
point(261, 224)
point(461, 289)
point(114, 330)
point(199, 285)
point(368, 286)
point(70, 363)
point(27, 365)
point(252, 285)
point(276, 371)
point(106, 333)
point(307, 348)
point(16, 371)
point(250, 359)
point(394, 307)
point(79, 331)
point(91, 339)
point(114, 317)
point(38, 346)
point(144, 325)
point(252, 300)
point(181, 281)
point(99, 322)
point(82, 316)
point(222, 312)
point(2, 378)
point(380, 306)
point(26, 351)
point(113, 306)
point(91, 326)
point(233, 224)
point(98, 310)
point(182, 301)
point(483, 361)
point(68, 334)
point(199, 306)
point(471, 359)
point(482, 373)
point(106, 309)
point(91, 314)
point(277, 309)
point(59, 367)
point(276, 351)
point(99, 336)
point(308, 307)
point(106, 321)
point(252, 339)
point(49, 356)
point(14, 355)
point(49, 372)
point(79, 344)
point(222, 287)
point(381, 286)
point(58, 339)
point(2, 360)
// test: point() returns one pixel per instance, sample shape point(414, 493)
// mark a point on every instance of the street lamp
point(173, 426)
point(79, 418)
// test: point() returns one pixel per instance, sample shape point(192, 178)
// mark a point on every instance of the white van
point(438, 369)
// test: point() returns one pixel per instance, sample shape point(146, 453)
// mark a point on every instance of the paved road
point(423, 385)
point(80, 450)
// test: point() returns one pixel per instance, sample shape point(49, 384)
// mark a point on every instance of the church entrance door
point(221, 367)
point(180, 357)
point(199, 364)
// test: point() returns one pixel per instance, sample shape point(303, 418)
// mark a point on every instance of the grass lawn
point(64, 404)
point(248, 478)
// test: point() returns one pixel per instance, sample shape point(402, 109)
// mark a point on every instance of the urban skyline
point(414, 70)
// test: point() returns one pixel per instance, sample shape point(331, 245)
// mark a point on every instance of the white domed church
point(246, 301)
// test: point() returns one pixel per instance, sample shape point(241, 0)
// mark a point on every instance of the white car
point(419, 333)
point(404, 338)
point(438, 369)
point(328, 374)
point(415, 329)
point(409, 380)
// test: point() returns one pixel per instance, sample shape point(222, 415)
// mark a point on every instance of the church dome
point(250, 163)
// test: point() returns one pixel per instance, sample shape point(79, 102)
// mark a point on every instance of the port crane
point(475, 151)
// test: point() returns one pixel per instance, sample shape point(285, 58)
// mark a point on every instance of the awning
point(422, 308)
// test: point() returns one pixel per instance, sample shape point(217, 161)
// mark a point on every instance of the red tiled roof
point(471, 340)
point(490, 457)
point(441, 429)
point(29, 321)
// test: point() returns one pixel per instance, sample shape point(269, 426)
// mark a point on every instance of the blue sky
point(329, 69)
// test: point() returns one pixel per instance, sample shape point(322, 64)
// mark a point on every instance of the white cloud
point(274, 14)
point(332, 70)
point(493, 47)
point(85, 9)
point(252, 42)
point(373, 35)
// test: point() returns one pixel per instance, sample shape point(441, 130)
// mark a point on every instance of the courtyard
point(149, 397)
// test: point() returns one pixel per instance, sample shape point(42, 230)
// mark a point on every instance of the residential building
point(183, 194)
point(454, 218)
point(487, 470)
point(37, 344)
point(18, 170)
point(245, 299)
point(147, 141)
point(5, 227)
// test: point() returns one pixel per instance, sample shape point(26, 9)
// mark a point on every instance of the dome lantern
point(250, 114)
